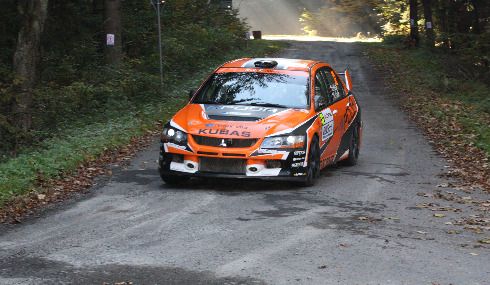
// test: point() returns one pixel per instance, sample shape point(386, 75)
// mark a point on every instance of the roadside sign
point(110, 39)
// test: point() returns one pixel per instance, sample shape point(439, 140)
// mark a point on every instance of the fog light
point(253, 169)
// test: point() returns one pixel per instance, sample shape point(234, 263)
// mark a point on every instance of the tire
point(313, 170)
point(353, 148)
point(174, 180)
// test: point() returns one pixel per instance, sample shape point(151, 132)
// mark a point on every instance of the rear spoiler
point(347, 78)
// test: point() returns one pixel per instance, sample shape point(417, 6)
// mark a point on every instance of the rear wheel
point(313, 169)
point(353, 148)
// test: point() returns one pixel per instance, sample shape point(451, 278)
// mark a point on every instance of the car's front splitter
point(231, 176)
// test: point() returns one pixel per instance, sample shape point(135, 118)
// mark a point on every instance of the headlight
point(173, 135)
point(284, 142)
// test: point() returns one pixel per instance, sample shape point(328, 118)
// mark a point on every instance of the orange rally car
point(265, 118)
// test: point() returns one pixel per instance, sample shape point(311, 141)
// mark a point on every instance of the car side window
point(339, 84)
point(326, 83)
point(321, 98)
point(335, 89)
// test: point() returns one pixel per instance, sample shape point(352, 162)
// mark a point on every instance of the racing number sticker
point(326, 118)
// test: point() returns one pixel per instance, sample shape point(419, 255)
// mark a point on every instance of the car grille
point(230, 143)
point(222, 165)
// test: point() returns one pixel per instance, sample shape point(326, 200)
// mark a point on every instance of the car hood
point(237, 121)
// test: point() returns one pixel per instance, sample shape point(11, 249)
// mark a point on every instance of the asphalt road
point(132, 227)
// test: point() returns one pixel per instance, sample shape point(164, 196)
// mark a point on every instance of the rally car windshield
point(255, 89)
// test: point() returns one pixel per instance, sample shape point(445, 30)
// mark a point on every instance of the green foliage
point(75, 85)
point(9, 23)
point(81, 106)
point(394, 17)
point(423, 72)
point(84, 139)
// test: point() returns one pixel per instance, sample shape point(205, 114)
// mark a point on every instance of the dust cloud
point(320, 18)
point(275, 16)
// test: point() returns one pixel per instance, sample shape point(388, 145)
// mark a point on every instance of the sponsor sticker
point(297, 164)
point(224, 132)
point(247, 108)
point(269, 151)
point(326, 117)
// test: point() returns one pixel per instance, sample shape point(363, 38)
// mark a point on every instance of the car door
point(338, 106)
point(329, 121)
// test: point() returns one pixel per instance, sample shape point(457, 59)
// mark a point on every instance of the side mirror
point(191, 93)
point(320, 102)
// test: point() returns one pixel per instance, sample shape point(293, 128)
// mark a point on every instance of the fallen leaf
point(439, 215)
point(41, 196)
point(485, 241)
point(422, 232)
point(474, 254)
point(322, 267)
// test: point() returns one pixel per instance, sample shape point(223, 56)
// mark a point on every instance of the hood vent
point(233, 118)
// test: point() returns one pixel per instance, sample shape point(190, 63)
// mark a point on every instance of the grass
point(436, 84)
point(65, 151)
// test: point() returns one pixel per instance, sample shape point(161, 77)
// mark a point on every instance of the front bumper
point(286, 165)
point(231, 176)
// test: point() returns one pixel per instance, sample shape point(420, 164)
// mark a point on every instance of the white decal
point(296, 165)
point(176, 146)
point(326, 118)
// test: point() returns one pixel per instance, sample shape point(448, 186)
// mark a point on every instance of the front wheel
point(313, 169)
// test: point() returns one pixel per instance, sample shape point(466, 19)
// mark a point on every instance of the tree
point(429, 24)
point(26, 58)
point(414, 28)
point(112, 28)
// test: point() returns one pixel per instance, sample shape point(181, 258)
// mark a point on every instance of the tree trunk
point(429, 24)
point(414, 29)
point(26, 58)
point(112, 27)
